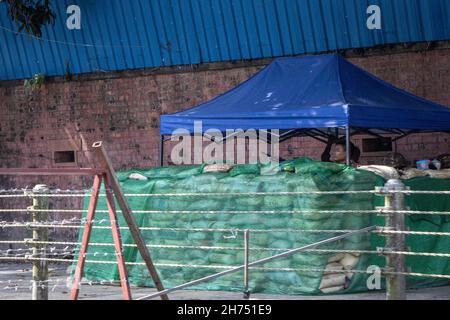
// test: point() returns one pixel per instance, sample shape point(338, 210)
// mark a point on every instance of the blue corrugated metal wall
point(127, 34)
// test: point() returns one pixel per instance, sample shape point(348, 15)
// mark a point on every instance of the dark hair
point(355, 153)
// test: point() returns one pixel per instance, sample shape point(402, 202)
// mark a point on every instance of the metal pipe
point(161, 151)
point(246, 261)
point(257, 262)
point(347, 145)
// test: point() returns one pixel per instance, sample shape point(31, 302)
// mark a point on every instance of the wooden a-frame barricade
point(103, 174)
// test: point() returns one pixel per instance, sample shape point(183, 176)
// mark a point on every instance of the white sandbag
point(349, 275)
point(439, 174)
point(384, 171)
point(332, 280)
point(412, 173)
point(137, 176)
point(333, 267)
point(349, 261)
point(336, 257)
point(332, 289)
point(218, 167)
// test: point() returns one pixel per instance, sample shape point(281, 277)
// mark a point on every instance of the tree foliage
point(31, 15)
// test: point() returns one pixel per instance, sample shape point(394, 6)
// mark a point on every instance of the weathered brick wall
point(123, 109)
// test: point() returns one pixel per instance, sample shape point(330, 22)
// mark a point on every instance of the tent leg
point(347, 145)
point(161, 151)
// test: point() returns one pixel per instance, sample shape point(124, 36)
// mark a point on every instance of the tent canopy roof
point(323, 91)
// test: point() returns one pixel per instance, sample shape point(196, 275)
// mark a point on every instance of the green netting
point(300, 174)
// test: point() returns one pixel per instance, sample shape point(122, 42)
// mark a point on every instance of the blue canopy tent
point(302, 95)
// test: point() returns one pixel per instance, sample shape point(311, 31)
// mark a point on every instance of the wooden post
point(113, 183)
point(40, 267)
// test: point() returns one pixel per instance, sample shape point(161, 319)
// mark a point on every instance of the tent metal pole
point(347, 145)
point(161, 150)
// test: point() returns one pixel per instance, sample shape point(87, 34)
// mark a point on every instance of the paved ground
point(20, 275)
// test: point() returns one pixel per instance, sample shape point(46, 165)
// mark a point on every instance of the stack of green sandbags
point(186, 257)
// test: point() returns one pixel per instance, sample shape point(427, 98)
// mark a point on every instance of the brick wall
point(123, 110)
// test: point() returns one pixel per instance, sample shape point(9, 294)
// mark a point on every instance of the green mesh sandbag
point(187, 246)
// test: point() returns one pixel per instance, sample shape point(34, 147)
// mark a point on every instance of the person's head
point(340, 152)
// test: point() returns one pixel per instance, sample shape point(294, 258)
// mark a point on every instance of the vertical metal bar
point(85, 239)
point(246, 261)
point(161, 151)
point(117, 242)
point(347, 145)
point(40, 267)
point(258, 262)
point(395, 283)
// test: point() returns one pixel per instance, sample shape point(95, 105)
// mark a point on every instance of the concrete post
point(40, 268)
point(395, 283)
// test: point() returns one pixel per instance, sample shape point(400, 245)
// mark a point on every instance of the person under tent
point(340, 151)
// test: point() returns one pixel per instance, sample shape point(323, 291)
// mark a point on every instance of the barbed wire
point(73, 250)
point(83, 192)
point(67, 280)
point(52, 284)
point(286, 193)
point(28, 191)
point(379, 211)
point(174, 265)
point(69, 225)
point(414, 274)
point(61, 254)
